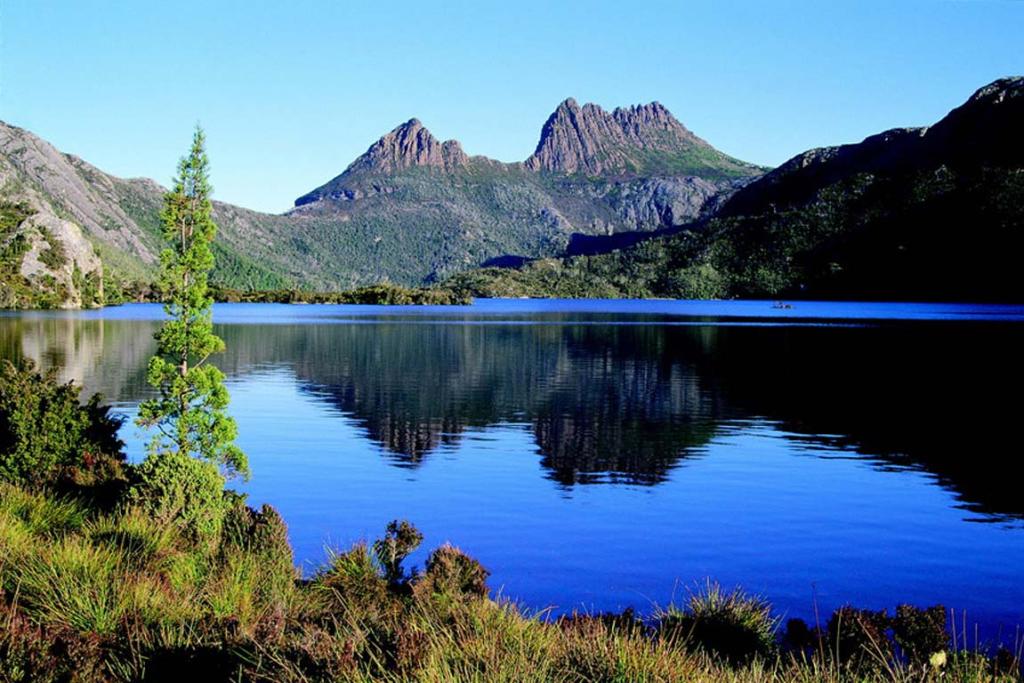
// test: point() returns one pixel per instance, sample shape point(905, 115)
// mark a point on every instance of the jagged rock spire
point(587, 139)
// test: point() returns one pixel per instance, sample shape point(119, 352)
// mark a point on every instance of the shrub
point(354, 578)
point(400, 539)
point(262, 533)
point(800, 638)
point(54, 256)
point(858, 637)
point(175, 487)
point(137, 536)
point(254, 577)
point(452, 574)
point(731, 626)
point(47, 436)
point(74, 584)
point(920, 633)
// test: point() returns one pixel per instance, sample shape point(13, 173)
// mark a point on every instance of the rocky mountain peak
point(653, 115)
point(589, 140)
point(408, 145)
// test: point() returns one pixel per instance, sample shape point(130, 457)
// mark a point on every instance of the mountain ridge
point(627, 143)
point(410, 210)
point(413, 209)
point(934, 212)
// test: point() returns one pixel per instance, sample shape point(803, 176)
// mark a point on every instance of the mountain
point(911, 213)
point(422, 209)
point(410, 210)
point(109, 227)
point(642, 140)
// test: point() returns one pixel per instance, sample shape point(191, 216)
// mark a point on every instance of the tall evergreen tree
point(191, 409)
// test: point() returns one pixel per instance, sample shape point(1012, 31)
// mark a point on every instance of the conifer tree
point(190, 411)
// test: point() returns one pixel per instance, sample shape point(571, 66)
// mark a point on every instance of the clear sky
point(290, 92)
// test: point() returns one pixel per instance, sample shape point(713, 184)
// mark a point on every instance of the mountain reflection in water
point(619, 403)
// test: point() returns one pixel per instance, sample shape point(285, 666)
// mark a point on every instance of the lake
point(605, 454)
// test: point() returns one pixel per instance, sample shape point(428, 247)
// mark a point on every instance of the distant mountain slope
point(120, 218)
point(411, 209)
point(928, 213)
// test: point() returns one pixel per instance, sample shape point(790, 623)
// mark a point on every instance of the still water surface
point(607, 454)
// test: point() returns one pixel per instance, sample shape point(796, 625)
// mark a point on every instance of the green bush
point(54, 256)
point(263, 535)
point(452, 574)
point(731, 626)
point(920, 633)
point(353, 578)
point(400, 539)
point(174, 487)
point(47, 436)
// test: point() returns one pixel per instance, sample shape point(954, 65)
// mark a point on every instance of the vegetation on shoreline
point(98, 585)
point(93, 587)
point(384, 294)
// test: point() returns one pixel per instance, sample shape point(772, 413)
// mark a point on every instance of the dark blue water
point(606, 454)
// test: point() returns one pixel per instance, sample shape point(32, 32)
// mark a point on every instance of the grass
point(94, 595)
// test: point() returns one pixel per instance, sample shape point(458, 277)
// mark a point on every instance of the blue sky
point(290, 93)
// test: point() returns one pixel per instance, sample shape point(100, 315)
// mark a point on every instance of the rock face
point(410, 145)
point(657, 203)
point(86, 194)
point(45, 260)
point(638, 140)
point(591, 141)
point(119, 218)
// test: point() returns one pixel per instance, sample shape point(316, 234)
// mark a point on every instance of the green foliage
point(47, 436)
point(177, 488)
point(263, 535)
point(400, 539)
point(76, 585)
point(191, 409)
point(382, 294)
point(54, 256)
point(920, 633)
point(353, 578)
point(453, 575)
point(732, 625)
point(120, 291)
point(233, 267)
point(877, 237)
point(12, 215)
point(89, 286)
point(91, 595)
point(15, 290)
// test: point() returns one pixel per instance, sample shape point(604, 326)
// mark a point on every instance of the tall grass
point(89, 595)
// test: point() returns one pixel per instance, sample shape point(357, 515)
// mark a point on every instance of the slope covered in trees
point(928, 213)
